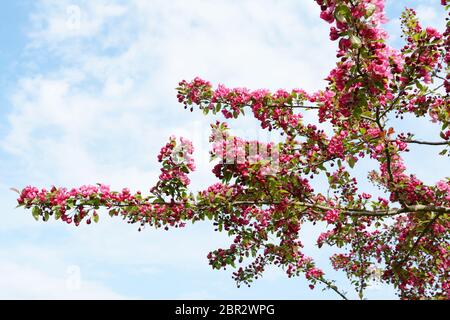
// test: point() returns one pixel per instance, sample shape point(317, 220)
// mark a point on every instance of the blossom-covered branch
point(264, 194)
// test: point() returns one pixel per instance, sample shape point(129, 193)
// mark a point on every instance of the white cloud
point(72, 21)
point(122, 101)
point(21, 282)
point(26, 281)
point(427, 14)
point(196, 295)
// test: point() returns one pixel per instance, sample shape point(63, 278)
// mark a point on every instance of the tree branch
point(333, 287)
point(417, 242)
point(346, 211)
point(436, 143)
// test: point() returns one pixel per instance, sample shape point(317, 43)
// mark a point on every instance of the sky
point(87, 95)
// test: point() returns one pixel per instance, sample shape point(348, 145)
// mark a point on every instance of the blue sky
point(87, 95)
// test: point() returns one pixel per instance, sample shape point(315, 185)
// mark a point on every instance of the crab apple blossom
point(264, 195)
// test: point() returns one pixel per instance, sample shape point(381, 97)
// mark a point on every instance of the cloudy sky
point(87, 95)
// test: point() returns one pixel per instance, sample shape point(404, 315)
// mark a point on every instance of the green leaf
point(15, 190)
point(351, 162)
point(370, 9)
point(36, 212)
point(355, 41)
point(366, 114)
point(357, 112)
point(342, 13)
point(227, 176)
